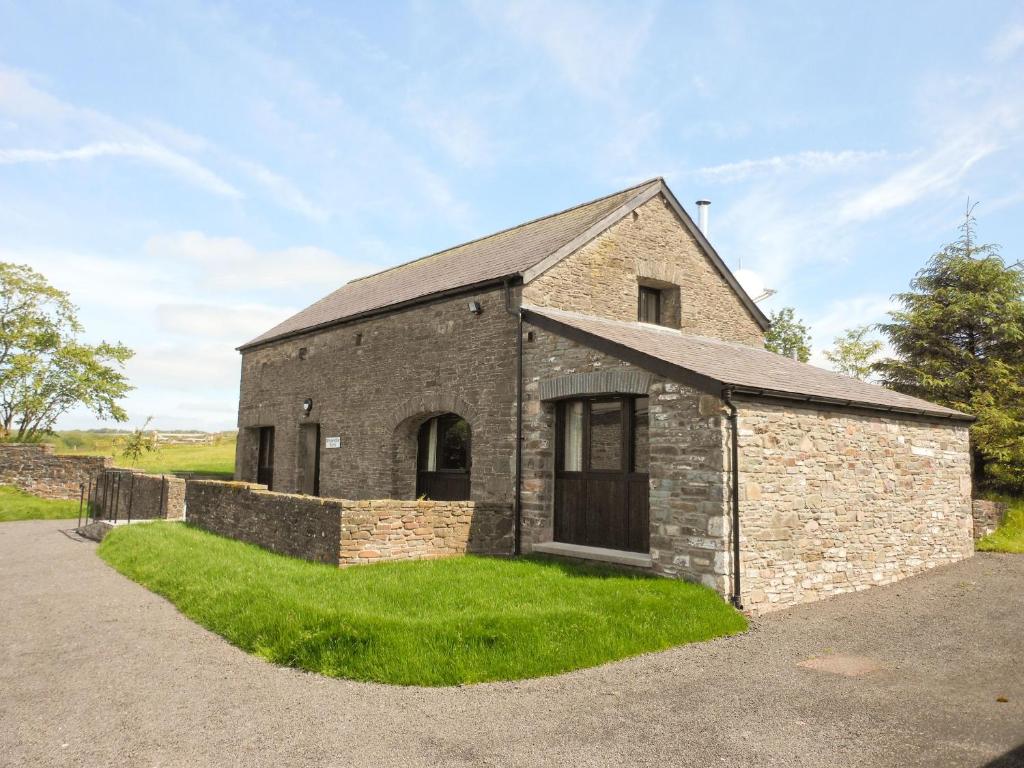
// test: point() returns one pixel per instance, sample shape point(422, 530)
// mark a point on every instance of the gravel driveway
point(97, 671)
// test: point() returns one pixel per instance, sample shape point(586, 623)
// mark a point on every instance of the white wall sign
point(332, 442)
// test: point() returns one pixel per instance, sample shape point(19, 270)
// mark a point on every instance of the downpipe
point(735, 599)
point(517, 513)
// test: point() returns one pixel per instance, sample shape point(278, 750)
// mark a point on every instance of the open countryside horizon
point(194, 175)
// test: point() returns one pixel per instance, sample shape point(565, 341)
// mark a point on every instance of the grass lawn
point(433, 622)
point(1009, 537)
point(217, 458)
point(18, 505)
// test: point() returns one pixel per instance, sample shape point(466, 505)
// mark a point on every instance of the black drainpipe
point(727, 398)
point(516, 536)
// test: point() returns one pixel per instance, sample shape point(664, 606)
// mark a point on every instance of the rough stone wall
point(835, 502)
point(36, 469)
point(687, 478)
point(300, 526)
point(125, 493)
point(407, 366)
point(656, 249)
point(373, 531)
point(988, 515)
point(341, 531)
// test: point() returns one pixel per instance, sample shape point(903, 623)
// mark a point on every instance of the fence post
point(131, 498)
point(81, 500)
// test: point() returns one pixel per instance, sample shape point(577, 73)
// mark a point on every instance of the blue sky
point(195, 173)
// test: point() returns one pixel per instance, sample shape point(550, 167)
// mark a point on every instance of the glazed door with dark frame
point(601, 480)
point(444, 459)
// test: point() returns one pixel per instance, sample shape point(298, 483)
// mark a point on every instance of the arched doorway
point(444, 458)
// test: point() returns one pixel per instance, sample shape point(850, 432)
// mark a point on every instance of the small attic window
point(359, 339)
point(303, 353)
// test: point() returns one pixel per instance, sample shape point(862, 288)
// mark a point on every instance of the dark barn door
point(308, 480)
point(265, 459)
point(601, 479)
point(444, 459)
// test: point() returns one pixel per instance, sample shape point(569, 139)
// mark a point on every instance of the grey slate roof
point(503, 254)
point(748, 369)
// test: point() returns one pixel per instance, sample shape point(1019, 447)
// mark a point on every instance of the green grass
point(216, 459)
point(1009, 537)
point(18, 505)
point(433, 622)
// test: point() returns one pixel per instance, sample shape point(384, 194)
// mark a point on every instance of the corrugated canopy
point(748, 369)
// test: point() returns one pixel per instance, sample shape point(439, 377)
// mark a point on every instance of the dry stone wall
point(653, 248)
point(988, 515)
point(36, 469)
point(838, 502)
point(341, 531)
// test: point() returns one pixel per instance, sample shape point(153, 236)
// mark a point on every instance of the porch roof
point(711, 364)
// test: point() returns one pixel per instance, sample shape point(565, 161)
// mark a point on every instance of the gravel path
point(95, 671)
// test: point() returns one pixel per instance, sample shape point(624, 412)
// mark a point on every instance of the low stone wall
point(36, 469)
point(300, 526)
point(413, 530)
point(339, 531)
point(127, 494)
point(988, 515)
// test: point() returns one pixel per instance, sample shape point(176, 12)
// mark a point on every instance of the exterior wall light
point(475, 308)
point(307, 406)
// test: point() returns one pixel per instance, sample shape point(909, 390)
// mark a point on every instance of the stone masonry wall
point(341, 531)
point(373, 531)
point(838, 502)
point(687, 479)
point(654, 247)
point(132, 494)
point(373, 383)
point(988, 515)
point(36, 469)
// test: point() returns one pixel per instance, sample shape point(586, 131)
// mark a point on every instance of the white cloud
point(842, 315)
point(1007, 43)
point(284, 191)
point(234, 323)
point(808, 162)
point(153, 153)
point(233, 264)
point(460, 136)
point(593, 47)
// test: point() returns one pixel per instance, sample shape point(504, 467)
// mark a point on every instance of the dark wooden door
point(601, 500)
point(265, 459)
point(308, 478)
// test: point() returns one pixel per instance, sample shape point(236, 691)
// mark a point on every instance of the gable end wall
point(601, 278)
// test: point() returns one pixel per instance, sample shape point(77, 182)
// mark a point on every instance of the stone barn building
point(611, 344)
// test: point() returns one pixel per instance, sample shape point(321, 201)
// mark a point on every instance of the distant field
point(216, 458)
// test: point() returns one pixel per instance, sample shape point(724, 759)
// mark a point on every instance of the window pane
point(650, 309)
point(606, 435)
point(453, 444)
point(641, 432)
point(572, 449)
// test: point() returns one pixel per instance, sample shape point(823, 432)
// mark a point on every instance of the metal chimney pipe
point(702, 215)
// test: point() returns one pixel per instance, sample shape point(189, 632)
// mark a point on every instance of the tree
point(45, 369)
point(852, 353)
point(139, 442)
point(959, 342)
point(787, 335)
